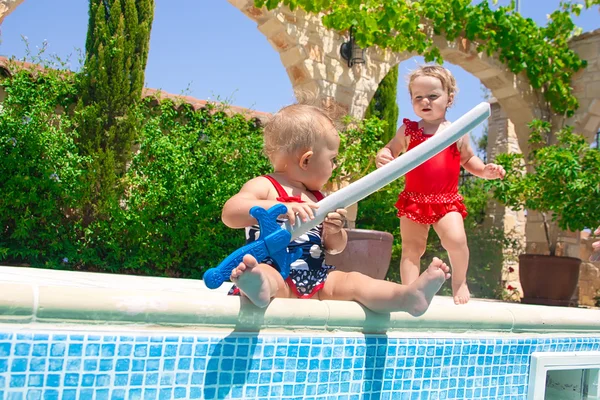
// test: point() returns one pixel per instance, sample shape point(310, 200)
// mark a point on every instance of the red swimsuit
point(309, 272)
point(431, 189)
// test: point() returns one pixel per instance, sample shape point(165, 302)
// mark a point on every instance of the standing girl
point(431, 197)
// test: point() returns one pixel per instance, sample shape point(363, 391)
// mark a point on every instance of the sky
point(208, 49)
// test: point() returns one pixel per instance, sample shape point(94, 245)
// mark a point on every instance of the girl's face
point(429, 99)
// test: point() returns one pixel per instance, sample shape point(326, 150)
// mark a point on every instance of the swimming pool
point(73, 335)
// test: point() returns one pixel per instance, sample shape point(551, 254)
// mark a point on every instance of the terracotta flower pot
point(548, 280)
point(367, 251)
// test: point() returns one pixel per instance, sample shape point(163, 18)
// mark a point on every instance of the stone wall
point(586, 84)
point(8, 6)
point(502, 138)
point(589, 274)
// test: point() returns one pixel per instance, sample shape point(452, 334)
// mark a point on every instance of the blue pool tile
point(33, 394)
point(102, 394)
point(92, 349)
point(75, 349)
point(247, 367)
point(150, 394)
point(69, 394)
point(138, 365)
point(134, 394)
point(51, 394)
point(87, 380)
point(151, 379)
point(106, 364)
point(170, 350)
point(124, 350)
point(118, 394)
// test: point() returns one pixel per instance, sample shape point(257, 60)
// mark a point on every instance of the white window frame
point(542, 362)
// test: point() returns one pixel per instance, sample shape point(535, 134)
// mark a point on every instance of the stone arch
point(8, 6)
point(310, 54)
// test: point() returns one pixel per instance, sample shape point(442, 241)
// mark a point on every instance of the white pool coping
point(51, 297)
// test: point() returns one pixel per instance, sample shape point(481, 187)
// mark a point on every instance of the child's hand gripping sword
point(273, 239)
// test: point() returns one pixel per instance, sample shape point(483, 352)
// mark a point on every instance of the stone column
point(589, 275)
point(502, 138)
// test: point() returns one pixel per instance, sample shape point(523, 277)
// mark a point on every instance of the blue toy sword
point(274, 239)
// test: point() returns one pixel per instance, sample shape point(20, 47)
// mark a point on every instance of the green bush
point(189, 164)
point(167, 221)
point(561, 182)
point(40, 168)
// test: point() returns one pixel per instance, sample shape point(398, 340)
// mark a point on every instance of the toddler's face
point(429, 99)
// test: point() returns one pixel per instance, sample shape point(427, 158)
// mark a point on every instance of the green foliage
point(111, 86)
point(541, 53)
point(40, 167)
point(359, 142)
point(166, 220)
point(116, 53)
point(561, 183)
point(384, 106)
point(189, 163)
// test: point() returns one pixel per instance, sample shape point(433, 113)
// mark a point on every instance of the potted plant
point(368, 251)
point(560, 179)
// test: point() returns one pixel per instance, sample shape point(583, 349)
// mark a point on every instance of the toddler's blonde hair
point(435, 71)
point(295, 128)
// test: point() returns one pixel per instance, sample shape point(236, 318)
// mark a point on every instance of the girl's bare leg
point(384, 296)
point(259, 282)
point(414, 243)
point(451, 230)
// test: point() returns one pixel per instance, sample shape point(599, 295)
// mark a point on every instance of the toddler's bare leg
point(259, 282)
point(414, 242)
point(384, 296)
point(451, 230)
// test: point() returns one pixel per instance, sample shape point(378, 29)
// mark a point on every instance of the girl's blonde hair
point(435, 71)
point(297, 127)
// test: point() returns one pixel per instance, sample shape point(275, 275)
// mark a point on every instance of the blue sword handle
point(272, 242)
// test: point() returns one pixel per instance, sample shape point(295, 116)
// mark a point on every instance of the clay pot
point(549, 280)
point(367, 251)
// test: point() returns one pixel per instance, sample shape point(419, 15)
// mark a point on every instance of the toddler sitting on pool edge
point(302, 143)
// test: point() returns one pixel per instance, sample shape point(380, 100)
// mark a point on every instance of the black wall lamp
point(351, 52)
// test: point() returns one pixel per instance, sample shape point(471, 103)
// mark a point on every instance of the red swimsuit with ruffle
point(431, 189)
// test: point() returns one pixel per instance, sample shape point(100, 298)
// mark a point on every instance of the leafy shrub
point(561, 182)
point(40, 168)
point(166, 222)
point(189, 163)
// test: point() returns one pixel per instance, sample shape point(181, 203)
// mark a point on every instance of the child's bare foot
point(251, 278)
point(427, 285)
point(461, 293)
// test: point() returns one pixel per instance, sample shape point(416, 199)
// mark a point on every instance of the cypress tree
point(117, 45)
point(384, 106)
